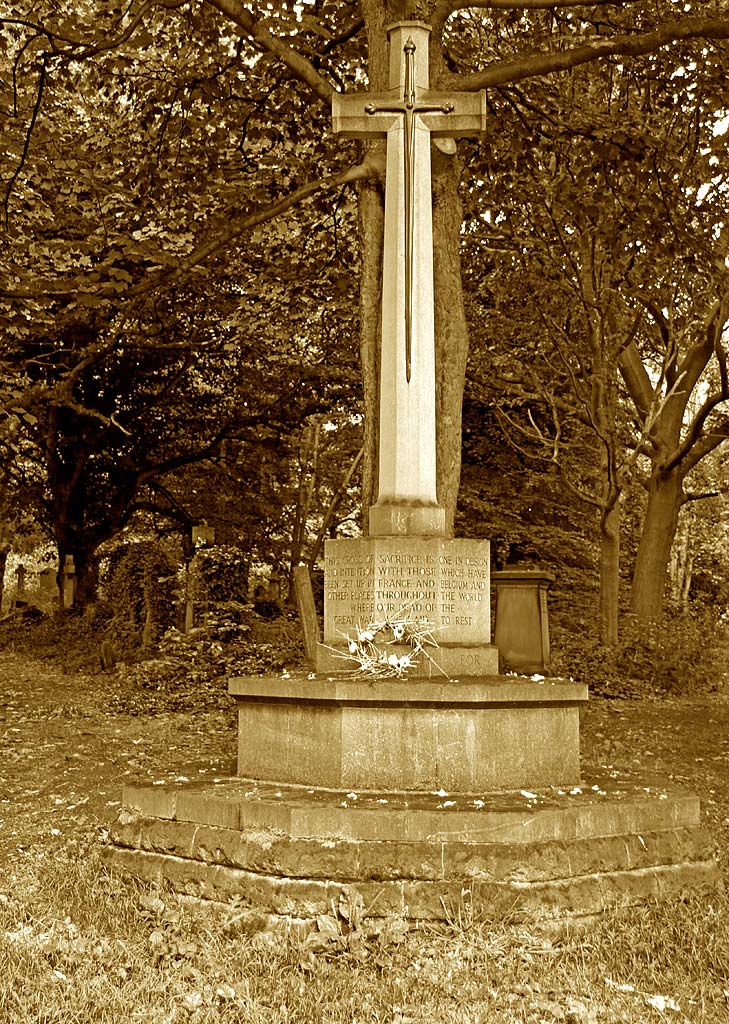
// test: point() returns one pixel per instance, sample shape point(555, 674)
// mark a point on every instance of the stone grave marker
point(68, 582)
point(307, 612)
point(21, 598)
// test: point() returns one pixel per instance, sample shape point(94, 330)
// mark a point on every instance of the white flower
point(352, 647)
point(365, 634)
point(398, 632)
point(394, 661)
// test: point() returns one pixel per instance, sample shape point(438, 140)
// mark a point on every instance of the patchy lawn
point(80, 945)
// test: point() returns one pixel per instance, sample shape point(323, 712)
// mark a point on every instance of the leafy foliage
point(141, 594)
point(176, 213)
point(192, 670)
point(219, 574)
point(683, 656)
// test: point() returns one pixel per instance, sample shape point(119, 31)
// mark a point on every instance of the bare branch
point(693, 496)
point(28, 135)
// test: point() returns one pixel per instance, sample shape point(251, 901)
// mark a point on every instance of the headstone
point(107, 655)
point(48, 584)
point(21, 600)
point(521, 629)
point(202, 536)
point(68, 581)
point(273, 588)
point(307, 612)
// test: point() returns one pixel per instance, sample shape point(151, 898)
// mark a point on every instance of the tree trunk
point(665, 497)
point(608, 601)
point(3, 562)
point(371, 221)
point(682, 560)
point(451, 330)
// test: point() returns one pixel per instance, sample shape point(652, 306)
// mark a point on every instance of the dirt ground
point(68, 743)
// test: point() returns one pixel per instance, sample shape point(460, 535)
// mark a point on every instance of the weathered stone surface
point(441, 899)
point(584, 851)
point(207, 809)
point(522, 621)
point(491, 733)
point(356, 860)
point(605, 808)
point(157, 835)
point(486, 691)
point(444, 582)
point(158, 800)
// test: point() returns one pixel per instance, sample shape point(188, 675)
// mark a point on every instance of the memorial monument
point(413, 791)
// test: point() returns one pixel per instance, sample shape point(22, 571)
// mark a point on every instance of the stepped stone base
point(287, 851)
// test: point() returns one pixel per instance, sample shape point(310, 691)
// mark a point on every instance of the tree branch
point(535, 5)
point(535, 64)
point(371, 167)
point(258, 33)
point(28, 134)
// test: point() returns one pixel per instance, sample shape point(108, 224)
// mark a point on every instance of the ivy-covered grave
point(190, 667)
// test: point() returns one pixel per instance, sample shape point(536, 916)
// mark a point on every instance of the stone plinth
point(416, 734)
point(448, 661)
point(550, 857)
point(429, 579)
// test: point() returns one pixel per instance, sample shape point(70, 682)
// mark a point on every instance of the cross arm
point(467, 116)
point(351, 120)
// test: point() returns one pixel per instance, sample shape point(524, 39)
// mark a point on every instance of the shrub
point(684, 654)
point(192, 669)
point(219, 574)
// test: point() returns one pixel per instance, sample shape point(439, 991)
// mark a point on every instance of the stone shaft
point(407, 448)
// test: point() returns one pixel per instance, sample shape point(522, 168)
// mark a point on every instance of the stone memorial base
point(490, 733)
point(422, 798)
point(552, 858)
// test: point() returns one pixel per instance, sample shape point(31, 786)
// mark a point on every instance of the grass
point(79, 945)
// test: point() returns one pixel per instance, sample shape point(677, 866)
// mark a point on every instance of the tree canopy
point(174, 202)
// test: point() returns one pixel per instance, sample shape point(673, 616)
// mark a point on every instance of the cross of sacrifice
point(408, 115)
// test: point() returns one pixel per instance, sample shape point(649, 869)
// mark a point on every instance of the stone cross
point(408, 115)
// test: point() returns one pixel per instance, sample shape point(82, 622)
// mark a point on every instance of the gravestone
point(521, 631)
point(21, 598)
point(451, 786)
point(68, 582)
point(48, 583)
point(307, 612)
point(202, 536)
